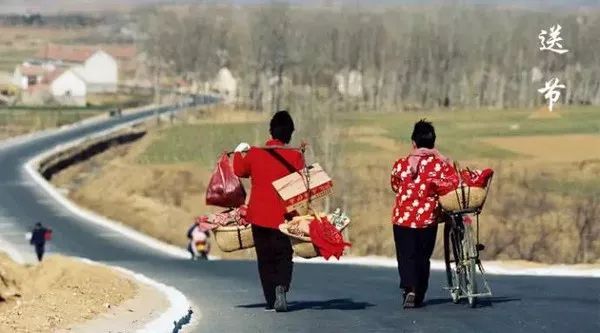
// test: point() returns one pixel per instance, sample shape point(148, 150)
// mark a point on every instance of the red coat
point(265, 207)
point(416, 200)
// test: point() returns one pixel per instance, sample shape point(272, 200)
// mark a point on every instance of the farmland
point(547, 174)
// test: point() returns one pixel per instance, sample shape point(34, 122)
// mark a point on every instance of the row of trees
point(408, 57)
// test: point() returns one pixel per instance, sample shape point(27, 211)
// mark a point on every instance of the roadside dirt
point(58, 293)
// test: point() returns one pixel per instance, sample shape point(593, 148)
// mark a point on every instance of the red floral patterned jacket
point(416, 199)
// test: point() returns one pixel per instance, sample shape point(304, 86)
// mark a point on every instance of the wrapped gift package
point(293, 187)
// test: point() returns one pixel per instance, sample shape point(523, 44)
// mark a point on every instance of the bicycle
point(462, 247)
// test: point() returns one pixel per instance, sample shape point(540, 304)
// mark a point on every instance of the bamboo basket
point(234, 238)
point(302, 245)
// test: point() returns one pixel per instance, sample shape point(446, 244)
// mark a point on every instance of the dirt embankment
point(57, 294)
point(158, 200)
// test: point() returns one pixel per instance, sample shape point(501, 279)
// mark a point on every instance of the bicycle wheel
point(452, 255)
point(470, 260)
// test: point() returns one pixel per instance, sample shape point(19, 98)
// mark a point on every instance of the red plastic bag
point(225, 189)
point(48, 235)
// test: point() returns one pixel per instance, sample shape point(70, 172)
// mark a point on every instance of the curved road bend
point(324, 298)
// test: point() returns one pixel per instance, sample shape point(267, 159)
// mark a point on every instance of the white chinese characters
point(551, 92)
point(551, 41)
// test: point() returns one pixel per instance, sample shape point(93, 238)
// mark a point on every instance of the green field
point(458, 133)
point(200, 143)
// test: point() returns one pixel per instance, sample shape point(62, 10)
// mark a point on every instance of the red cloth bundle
point(476, 178)
point(228, 217)
point(327, 238)
point(48, 235)
point(444, 186)
point(470, 178)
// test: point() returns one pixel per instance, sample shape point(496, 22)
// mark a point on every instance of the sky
point(52, 6)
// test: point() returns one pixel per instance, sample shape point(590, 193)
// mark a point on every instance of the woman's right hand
point(242, 147)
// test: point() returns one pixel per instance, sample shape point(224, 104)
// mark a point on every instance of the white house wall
point(19, 79)
point(101, 72)
point(69, 89)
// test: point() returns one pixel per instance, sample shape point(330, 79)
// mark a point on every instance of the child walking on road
point(39, 236)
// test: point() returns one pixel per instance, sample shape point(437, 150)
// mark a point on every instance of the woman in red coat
point(265, 208)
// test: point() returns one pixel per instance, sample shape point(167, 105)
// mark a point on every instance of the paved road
point(325, 298)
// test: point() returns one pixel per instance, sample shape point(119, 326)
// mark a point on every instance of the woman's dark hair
point(282, 126)
point(424, 134)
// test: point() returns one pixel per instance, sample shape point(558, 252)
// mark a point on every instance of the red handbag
point(225, 188)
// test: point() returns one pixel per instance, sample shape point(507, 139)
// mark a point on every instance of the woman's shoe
point(280, 300)
point(409, 301)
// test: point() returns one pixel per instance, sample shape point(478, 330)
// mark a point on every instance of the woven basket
point(234, 238)
point(464, 199)
point(302, 245)
point(304, 249)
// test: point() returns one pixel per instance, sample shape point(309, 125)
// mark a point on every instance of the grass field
point(547, 175)
point(199, 143)
point(19, 121)
point(460, 134)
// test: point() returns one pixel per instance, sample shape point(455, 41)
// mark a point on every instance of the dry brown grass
point(552, 148)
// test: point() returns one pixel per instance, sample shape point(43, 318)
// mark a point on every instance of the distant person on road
point(199, 245)
point(39, 236)
point(415, 212)
point(265, 208)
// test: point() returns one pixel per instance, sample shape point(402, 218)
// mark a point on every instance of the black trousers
point(39, 251)
point(274, 256)
point(414, 248)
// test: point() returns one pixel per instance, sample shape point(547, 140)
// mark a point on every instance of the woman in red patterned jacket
point(416, 211)
point(265, 208)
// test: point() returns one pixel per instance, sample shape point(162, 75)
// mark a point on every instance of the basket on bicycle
point(466, 197)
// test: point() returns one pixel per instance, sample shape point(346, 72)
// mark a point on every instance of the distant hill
point(56, 6)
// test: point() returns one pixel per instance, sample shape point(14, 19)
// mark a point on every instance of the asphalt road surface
point(324, 298)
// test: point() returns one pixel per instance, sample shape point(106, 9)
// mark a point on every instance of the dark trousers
point(274, 257)
point(39, 251)
point(414, 248)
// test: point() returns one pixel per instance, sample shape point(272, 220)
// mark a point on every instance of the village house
point(349, 83)
point(97, 67)
point(47, 83)
point(66, 73)
point(31, 73)
point(225, 85)
point(67, 88)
